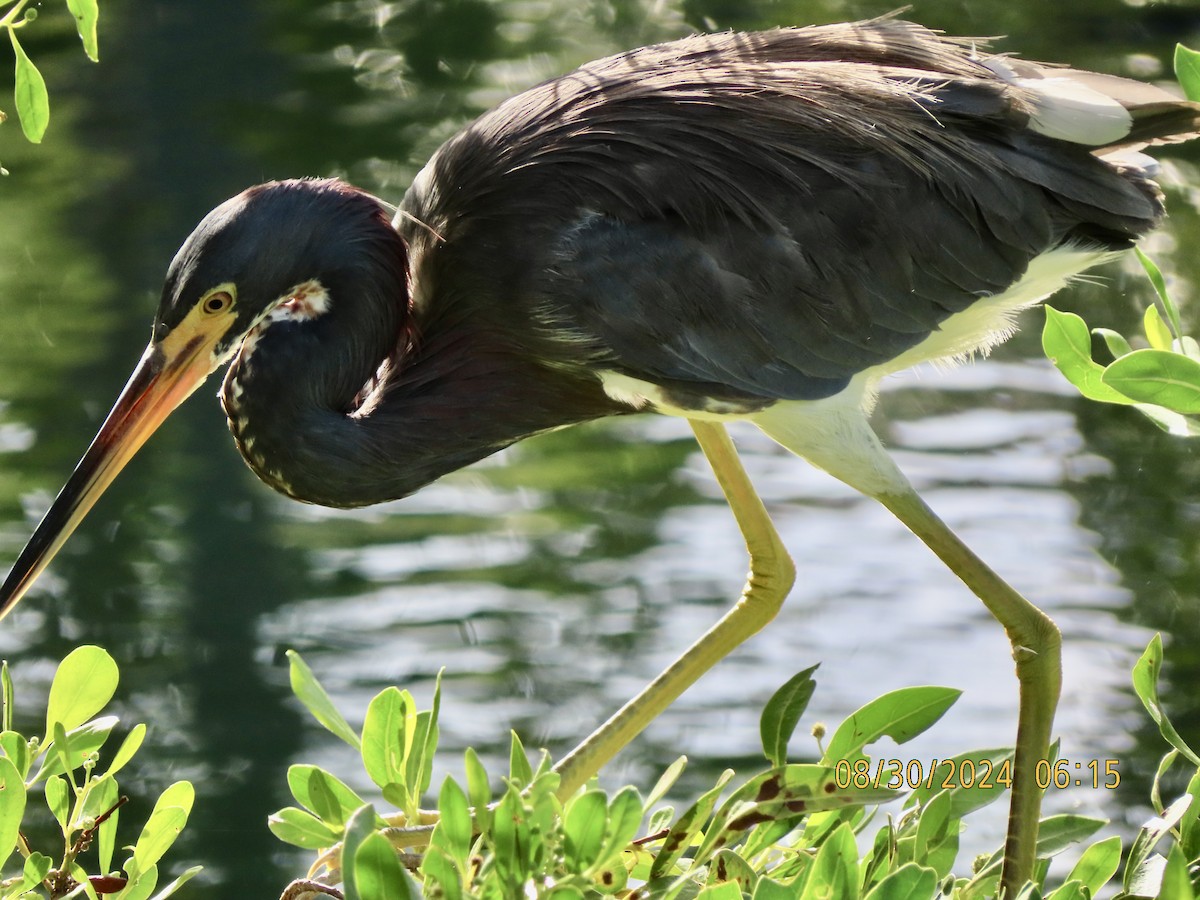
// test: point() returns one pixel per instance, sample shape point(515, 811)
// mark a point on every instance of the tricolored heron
point(736, 226)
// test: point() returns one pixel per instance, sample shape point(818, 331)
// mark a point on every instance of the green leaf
point(900, 715)
point(384, 737)
point(325, 802)
point(1067, 343)
point(725, 891)
point(309, 692)
point(728, 867)
point(419, 763)
point(1056, 833)
point(170, 814)
point(479, 791)
point(58, 798)
point(442, 878)
point(378, 874)
point(6, 698)
point(937, 835)
point(1158, 335)
point(769, 889)
point(1161, 377)
point(29, 95)
point(1187, 70)
point(129, 746)
point(1097, 864)
point(1141, 868)
point(993, 777)
point(666, 781)
point(1116, 343)
point(301, 829)
point(584, 823)
point(141, 885)
point(784, 794)
point(176, 884)
point(1171, 422)
point(16, 748)
point(86, 12)
point(660, 819)
point(1070, 890)
point(519, 769)
point(834, 872)
point(1145, 685)
point(679, 838)
point(418, 766)
point(1162, 335)
point(81, 743)
point(359, 827)
point(59, 751)
point(1144, 879)
point(327, 796)
point(1189, 825)
point(1176, 885)
point(454, 828)
point(624, 816)
point(180, 794)
point(84, 682)
point(12, 807)
point(159, 833)
point(37, 867)
point(1156, 783)
point(782, 713)
point(102, 797)
point(909, 882)
point(511, 838)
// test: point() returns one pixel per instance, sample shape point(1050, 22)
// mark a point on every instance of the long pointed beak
point(160, 383)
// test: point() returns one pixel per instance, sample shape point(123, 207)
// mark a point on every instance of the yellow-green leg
point(834, 434)
point(1035, 639)
point(771, 576)
point(1037, 652)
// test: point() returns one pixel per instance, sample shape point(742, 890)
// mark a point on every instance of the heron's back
point(742, 218)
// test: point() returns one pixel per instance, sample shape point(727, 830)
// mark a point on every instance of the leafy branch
point(29, 95)
point(1162, 379)
point(794, 831)
point(65, 764)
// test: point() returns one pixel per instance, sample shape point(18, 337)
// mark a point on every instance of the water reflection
point(553, 580)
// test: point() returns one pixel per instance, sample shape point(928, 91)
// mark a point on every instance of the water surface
point(553, 580)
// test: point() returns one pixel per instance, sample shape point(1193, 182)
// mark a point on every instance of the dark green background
point(552, 581)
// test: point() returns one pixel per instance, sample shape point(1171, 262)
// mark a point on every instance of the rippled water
point(553, 580)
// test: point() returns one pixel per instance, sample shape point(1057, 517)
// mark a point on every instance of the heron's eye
point(217, 302)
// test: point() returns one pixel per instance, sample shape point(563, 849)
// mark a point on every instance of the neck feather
point(346, 410)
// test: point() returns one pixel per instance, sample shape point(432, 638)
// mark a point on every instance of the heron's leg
point(771, 576)
point(1037, 651)
point(835, 435)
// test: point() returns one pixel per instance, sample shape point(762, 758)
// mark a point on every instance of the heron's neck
point(303, 421)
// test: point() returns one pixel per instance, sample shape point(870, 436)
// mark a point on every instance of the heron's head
point(268, 255)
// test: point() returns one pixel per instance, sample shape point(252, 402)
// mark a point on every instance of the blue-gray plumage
point(753, 226)
point(734, 219)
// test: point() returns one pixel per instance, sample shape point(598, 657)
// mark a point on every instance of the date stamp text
point(939, 774)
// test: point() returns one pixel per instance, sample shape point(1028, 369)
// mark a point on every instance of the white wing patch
point(1067, 110)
